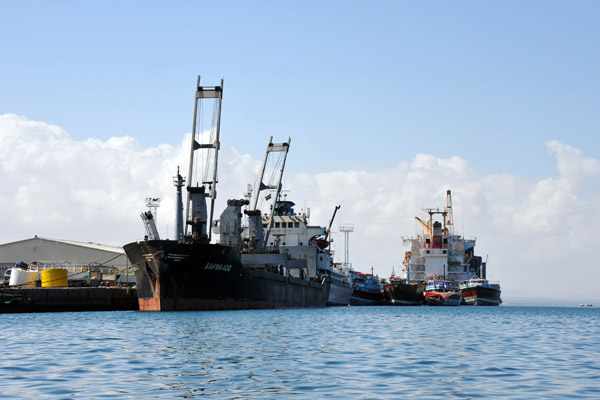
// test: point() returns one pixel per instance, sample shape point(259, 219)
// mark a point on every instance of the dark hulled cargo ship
point(273, 261)
point(202, 276)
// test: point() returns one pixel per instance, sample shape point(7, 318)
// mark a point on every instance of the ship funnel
point(198, 214)
point(255, 235)
point(230, 224)
point(436, 237)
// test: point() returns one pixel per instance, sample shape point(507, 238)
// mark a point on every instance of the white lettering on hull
point(218, 267)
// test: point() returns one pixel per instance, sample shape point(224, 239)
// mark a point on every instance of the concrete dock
point(58, 299)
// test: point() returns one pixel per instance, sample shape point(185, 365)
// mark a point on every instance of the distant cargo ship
point(442, 255)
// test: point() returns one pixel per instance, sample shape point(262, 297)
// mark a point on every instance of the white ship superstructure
point(278, 229)
point(291, 232)
point(438, 252)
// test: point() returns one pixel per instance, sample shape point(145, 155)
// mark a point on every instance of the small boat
point(442, 292)
point(368, 290)
point(15, 303)
point(480, 292)
point(341, 289)
point(401, 292)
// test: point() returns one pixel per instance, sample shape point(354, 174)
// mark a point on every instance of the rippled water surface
point(340, 352)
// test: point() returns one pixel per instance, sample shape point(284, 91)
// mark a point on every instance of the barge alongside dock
point(60, 299)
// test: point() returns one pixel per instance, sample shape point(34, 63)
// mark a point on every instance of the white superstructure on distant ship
point(440, 254)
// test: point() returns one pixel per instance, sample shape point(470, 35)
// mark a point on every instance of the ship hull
point(443, 299)
point(365, 298)
point(481, 296)
point(404, 294)
point(203, 276)
point(339, 295)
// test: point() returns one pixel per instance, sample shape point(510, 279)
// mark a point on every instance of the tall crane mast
point(204, 152)
point(450, 216)
point(346, 228)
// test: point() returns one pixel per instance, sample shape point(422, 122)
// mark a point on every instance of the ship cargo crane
point(331, 222)
point(149, 217)
point(447, 215)
point(425, 225)
point(324, 242)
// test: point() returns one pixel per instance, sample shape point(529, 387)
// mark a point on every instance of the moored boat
point(401, 292)
point(442, 292)
point(480, 292)
point(340, 290)
point(272, 261)
point(367, 290)
point(15, 303)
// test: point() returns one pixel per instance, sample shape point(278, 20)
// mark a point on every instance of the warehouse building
point(76, 257)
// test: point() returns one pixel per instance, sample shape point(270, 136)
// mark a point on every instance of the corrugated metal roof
point(90, 245)
point(52, 251)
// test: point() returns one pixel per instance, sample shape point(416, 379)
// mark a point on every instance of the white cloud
point(54, 186)
point(540, 236)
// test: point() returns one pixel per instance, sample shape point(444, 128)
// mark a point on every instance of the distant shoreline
point(547, 301)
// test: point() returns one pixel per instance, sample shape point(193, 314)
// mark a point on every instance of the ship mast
point(204, 150)
point(178, 182)
point(450, 223)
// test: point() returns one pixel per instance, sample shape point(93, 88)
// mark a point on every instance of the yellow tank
point(56, 277)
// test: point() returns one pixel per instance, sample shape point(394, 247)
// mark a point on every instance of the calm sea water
point(338, 353)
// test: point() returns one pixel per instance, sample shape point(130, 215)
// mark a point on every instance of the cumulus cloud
point(92, 190)
point(539, 235)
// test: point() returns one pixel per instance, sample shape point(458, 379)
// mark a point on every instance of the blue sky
point(355, 84)
point(504, 95)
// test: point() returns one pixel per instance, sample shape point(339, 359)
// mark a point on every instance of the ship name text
point(218, 267)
